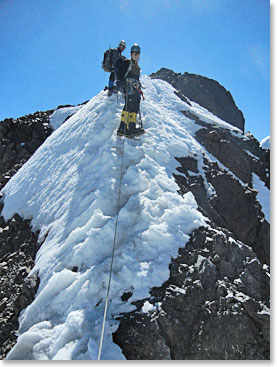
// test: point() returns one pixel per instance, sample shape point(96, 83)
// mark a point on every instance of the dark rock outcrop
point(214, 306)
point(19, 139)
point(206, 92)
point(234, 206)
point(18, 248)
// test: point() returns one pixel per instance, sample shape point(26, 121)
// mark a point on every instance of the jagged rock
point(17, 254)
point(206, 92)
point(152, 347)
point(242, 156)
point(19, 139)
point(201, 311)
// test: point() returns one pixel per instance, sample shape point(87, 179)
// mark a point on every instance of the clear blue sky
point(51, 50)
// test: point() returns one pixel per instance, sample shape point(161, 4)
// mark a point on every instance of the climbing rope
point(114, 241)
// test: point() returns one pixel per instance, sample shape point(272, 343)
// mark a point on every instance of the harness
point(134, 86)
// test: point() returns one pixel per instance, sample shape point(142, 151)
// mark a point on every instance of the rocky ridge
point(206, 92)
point(18, 248)
point(19, 139)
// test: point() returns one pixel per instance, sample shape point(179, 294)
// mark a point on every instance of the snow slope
point(69, 188)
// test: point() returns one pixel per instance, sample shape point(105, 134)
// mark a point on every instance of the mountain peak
point(192, 251)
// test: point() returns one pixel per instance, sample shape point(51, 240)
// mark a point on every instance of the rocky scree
point(18, 248)
point(19, 139)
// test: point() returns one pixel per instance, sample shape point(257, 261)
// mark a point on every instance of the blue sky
point(51, 50)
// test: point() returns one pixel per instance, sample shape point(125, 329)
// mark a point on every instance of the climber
point(127, 79)
point(116, 54)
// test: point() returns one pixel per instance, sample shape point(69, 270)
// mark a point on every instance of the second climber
point(116, 54)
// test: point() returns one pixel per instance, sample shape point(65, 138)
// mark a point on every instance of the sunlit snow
point(265, 143)
point(61, 114)
point(263, 195)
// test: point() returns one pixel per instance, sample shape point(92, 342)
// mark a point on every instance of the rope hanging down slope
point(114, 241)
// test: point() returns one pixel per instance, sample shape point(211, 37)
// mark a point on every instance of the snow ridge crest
point(69, 188)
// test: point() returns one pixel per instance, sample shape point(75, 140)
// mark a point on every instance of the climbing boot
point(134, 130)
point(140, 131)
point(130, 130)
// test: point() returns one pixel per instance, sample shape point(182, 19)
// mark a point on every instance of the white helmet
point(122, 44)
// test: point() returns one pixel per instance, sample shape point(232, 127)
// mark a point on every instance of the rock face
point(206, 92)
point(234, 206)
point(18, 248)
point(215, 304)
point(19, 139)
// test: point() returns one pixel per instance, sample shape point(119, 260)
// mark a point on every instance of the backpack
point(120, 68)
point(107, 60)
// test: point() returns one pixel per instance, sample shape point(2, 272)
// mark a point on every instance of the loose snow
point(265, 143)
point(69, 188)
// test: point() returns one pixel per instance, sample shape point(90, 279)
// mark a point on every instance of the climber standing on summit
point(116, 54)
point(127, 78)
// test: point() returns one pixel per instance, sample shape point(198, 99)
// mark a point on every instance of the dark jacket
point(125, 68)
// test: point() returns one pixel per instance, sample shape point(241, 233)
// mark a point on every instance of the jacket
point(125, 68)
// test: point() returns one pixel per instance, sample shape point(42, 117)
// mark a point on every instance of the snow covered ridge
point(69, 188)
